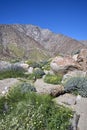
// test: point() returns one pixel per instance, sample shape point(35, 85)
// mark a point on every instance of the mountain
point(84, 42)
point(17, 45)
point(54, 43)
point(32, 42)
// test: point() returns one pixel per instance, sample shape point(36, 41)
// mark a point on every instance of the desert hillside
point(17, 45)
point(31, 42)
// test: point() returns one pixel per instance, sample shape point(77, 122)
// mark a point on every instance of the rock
point(44, 88)
point(66, 99)
point(82, 59)
point(4, 65)
point(63, 64)
point(17, 66)
point(24, 66)
point(76, 73)
point(30, 70)
point(5, 85)
point(74, 122)
point(75, 57)
point(48, 72)
point(81, 109)
point(20, 66)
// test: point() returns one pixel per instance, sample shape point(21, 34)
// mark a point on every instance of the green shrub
point(77, 85)
point(30, 111)
point(38, 73)
point(20, 89)
point(53, 79)
point(31, 76)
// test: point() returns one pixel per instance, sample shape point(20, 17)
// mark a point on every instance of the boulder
point(30, 70)
point(4, 65)
point(17, 66)
point(82, 59)
point(75, 57)
point(20, 66)
point(66, 99)
point(6, 84)
point(44, 88)
point(63, 64)
point(24, 66)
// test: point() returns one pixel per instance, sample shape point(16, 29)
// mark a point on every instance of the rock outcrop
point(70, 63)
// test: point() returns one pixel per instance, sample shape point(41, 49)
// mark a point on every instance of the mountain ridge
point(29, 41)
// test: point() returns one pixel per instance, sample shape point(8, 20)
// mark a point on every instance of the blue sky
point(68, 17)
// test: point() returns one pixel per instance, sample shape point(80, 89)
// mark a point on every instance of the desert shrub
point(25, 87)
point(77, 85)
point(53, 79)
point(38, 73)
point(33, 64)
point(45, 65)
point(30, 111)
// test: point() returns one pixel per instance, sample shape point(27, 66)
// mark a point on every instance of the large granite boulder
point(64, 64)
point(82, 59)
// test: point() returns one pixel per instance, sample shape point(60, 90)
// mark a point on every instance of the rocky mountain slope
point(15, 44)
point(55, 43)
point(32, 42)
point(84, 42)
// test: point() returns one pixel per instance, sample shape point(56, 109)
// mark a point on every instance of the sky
point(68, 17)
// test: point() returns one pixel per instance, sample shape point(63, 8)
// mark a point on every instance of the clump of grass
point(30, 111)
point(11, 74)
point(53, 79)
